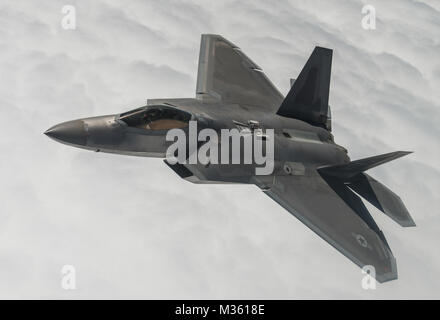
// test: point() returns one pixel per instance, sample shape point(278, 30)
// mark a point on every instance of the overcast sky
point(134, 229)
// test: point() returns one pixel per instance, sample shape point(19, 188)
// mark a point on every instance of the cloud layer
point(130, 226)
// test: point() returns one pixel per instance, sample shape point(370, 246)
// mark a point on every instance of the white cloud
point(131, 227)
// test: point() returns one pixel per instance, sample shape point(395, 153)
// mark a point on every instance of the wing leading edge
point(225, 73)
point(337, 215)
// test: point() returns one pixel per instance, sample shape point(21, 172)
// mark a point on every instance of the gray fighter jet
point(313, 178)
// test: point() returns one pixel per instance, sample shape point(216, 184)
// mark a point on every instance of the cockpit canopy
point(156, 117)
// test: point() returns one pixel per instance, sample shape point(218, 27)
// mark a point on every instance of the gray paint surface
point(232, 89)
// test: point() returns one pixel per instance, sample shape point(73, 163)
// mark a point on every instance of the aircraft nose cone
point(71, 132)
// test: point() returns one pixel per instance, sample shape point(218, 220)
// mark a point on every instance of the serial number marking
point(240, 309)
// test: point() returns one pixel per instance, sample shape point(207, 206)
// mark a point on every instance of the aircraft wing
point(329, 208)
point(225, 73)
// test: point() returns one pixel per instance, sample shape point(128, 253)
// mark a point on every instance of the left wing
point(225, 73)
point(336, 214)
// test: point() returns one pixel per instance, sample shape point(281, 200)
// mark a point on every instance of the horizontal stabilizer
point(350, 170)
point(352, 174)
point(382, 198)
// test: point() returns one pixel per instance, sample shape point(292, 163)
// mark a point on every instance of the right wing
point(337, 215)
point(227, 74)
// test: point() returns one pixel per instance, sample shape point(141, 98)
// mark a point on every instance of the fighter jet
point(313, 178)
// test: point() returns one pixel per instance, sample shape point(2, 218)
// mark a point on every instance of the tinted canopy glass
point(156, 118)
